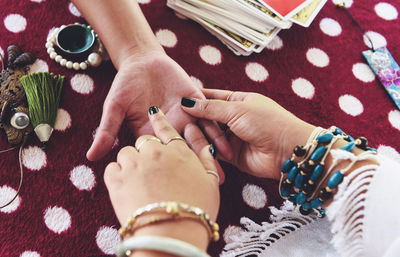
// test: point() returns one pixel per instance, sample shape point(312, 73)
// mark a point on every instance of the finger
point(197, 142)
point(217, 137)
point(216, 110)
point(110, 171)
point(146, 140)
point(107, 131)
point(162, 128)
point(210, 164)
point(126, 155)
point(224, 94)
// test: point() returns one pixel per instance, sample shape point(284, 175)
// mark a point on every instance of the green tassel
point(43, 92)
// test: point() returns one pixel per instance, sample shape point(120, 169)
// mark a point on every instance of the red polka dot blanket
point(318, 73)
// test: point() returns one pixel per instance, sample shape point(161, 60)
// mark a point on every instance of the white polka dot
point(39, 66)
point(2, 52)
point(275, 44)
point(347, 3)
point(317, 57)
point(108, 239)
point(389, 152)
point(197, 81)
point(57, 219)
point(144, 1)
point(256, 72)
point(377, 39)
point(72, 8)
point(210, 55)
point(330, 27)
point(254, 196)
point(166, 38)
point(231, 232)
point(362, 72)
point(351, 105)
point(29, 254)
point(303, 88)
point(82, 83)
point(386, 11)
point(38, 1)
point(82, 177)
point(15, 23)
point(394, 118)
point(6, 194)
point(34, 158)
point(63, 120)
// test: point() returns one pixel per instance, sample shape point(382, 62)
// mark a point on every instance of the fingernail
point(153, 110)
point(188, 102)
point(213, 151)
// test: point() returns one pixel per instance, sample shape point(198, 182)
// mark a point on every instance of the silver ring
point(147, 139)
point(214, 174)
point(175, 138)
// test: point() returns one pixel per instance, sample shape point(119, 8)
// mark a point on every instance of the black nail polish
point(188, 102)
point(213, 151)
point(153, 110)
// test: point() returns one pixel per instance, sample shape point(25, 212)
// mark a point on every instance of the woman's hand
point(263, 134)
point(147, 80)
point(162, 170)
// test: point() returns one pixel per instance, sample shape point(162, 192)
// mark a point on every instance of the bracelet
point(94, 59)
point(302, 181)
point(176, 211)
point(161, 244)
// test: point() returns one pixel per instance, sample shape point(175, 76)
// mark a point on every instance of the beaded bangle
point(306, 177)
point(161, 244)
point(94, 59)
point(177, 211)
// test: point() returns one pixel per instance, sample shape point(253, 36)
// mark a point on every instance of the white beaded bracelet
point(94, 59)
point(161, 244)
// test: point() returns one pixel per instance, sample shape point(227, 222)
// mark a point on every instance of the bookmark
point(382, 64)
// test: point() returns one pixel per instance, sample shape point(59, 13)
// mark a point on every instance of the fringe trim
point(347, 211)
point(257, 238)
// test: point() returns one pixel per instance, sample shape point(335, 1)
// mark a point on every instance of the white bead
point(56, 30)
point(58, 58)
point(69, 64)
point(94, 59)
point(63, 62)
point(62, 27)
point(53, 55)
point(50, 50)
point(83, 65)
point(76, 66)
point(49, 45)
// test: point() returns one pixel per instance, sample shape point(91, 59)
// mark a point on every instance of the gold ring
point(214, 174)
point(147, 139)
point(175, 138)
point(229, 96)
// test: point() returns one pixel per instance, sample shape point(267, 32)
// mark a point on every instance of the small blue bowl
point(75, 38)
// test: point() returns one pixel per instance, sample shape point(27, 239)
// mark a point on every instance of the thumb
point(217, 110)
point(107, 131)
point(210, 164)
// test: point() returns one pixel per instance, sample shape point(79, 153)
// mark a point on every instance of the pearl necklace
point(94, 59)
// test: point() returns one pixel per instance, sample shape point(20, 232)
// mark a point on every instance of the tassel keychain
point(381, 63)
point(43, 91)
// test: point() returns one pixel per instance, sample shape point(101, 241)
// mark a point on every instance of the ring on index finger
point(175, 138)
point(146, 140)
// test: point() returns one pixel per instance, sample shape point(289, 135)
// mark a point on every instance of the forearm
point(121, 26)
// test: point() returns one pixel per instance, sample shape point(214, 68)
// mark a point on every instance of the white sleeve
point(365, 211)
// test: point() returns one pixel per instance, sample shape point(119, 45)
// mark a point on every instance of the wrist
point(295, 135)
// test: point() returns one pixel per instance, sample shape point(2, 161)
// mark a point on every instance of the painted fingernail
point(153, 110)
point(213, 151)
point(188, 102)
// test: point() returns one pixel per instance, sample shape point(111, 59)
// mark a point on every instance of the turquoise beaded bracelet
point(304, 178)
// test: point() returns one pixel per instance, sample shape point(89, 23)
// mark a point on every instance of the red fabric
point(24, 230)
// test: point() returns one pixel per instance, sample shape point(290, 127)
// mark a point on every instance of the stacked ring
point(214, 174)
point(147, 139)
point(175, 138)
